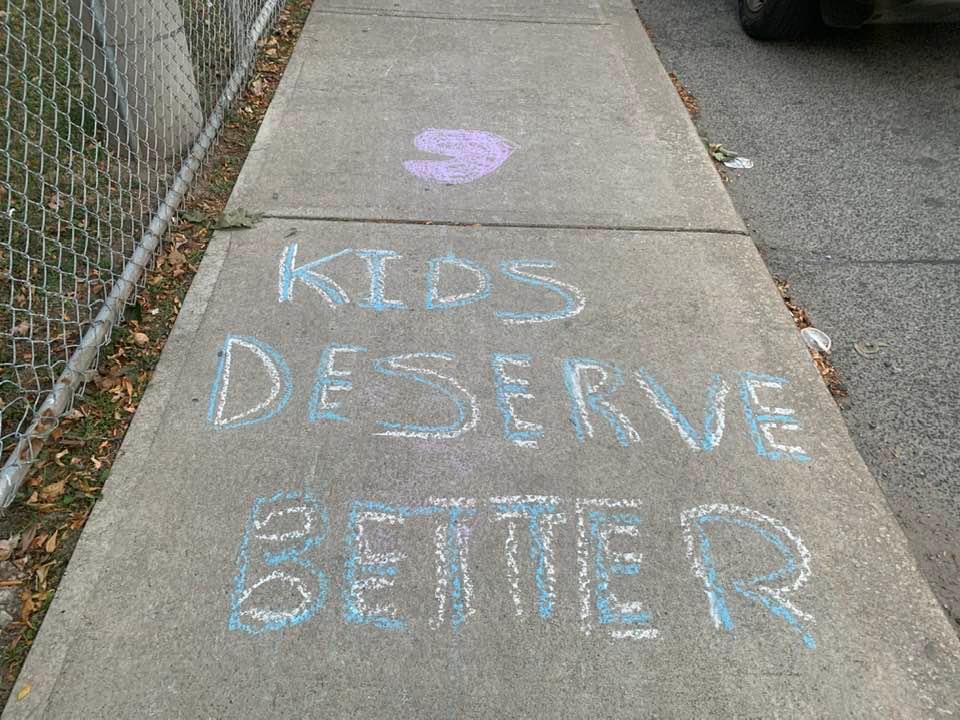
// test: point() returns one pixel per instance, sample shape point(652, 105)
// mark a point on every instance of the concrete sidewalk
point(497, 414)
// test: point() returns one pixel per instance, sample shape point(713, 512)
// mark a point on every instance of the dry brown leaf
point(106, 382)
point(140, 338)
point(51, 543)
point(8, 546)
point(42, 572)
point(27, 540)
point(78, 520)
point(51, 492)
point(83, 487)
point(26, 606)
point(175, 257)
point(24, 691)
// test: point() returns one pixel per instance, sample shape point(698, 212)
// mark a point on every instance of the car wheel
point(777, 19)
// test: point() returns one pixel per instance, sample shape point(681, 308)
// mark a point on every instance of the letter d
point(281, 385)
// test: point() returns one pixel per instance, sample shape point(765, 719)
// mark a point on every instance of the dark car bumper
point(853, 13)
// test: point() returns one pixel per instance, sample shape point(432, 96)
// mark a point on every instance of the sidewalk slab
point(361, 565)
point(590, 131)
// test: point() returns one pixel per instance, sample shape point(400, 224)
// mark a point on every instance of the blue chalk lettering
point(595, 397)
point(573, 300)
point(713, 418)
point(433, 299)
point(465, 405)
point(277, 370)
point(365, 571)
point(455, 572)
point(280, 549)
point(376, 267)
point(329, 379)
point(762, 420)
point(536, 511)
point(289, 274)
point(520, 432)
point(608, 564)
point(755, 589)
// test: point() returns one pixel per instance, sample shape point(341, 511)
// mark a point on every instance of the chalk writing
point(308, 274)
point(714, 417)
point(281, 384)
point(481, 292)
point(520, 432)
point(763, 420)
point(573, 300)
point(376, 265)
point(759, 589)
point(468, 411)
point(330, 380)
point(282, 553)
point(279, 583)
point(375, 262)
point(598, 521)
point(590, 386)
point(540, 515)
point(368, 569)
point(471, 155)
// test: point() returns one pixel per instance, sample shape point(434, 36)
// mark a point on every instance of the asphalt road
point(854, 200)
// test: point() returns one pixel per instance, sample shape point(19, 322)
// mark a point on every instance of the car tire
point(777, 19)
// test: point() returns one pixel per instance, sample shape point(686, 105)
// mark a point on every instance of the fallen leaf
point(140, 338)
point(106, 382)
point(175, 257)
point(194, 216)
point(51, 492)
point(26, 606)
point(42, 574)
point(8, 546)
point(24, 691)
point(78, 520)
point(27, 539)
point(51, 544)
point(238, 218)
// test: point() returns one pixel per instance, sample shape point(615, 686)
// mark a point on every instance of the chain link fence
point(109, 107)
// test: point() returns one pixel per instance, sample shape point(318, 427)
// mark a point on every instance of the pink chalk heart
point(472, 154)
